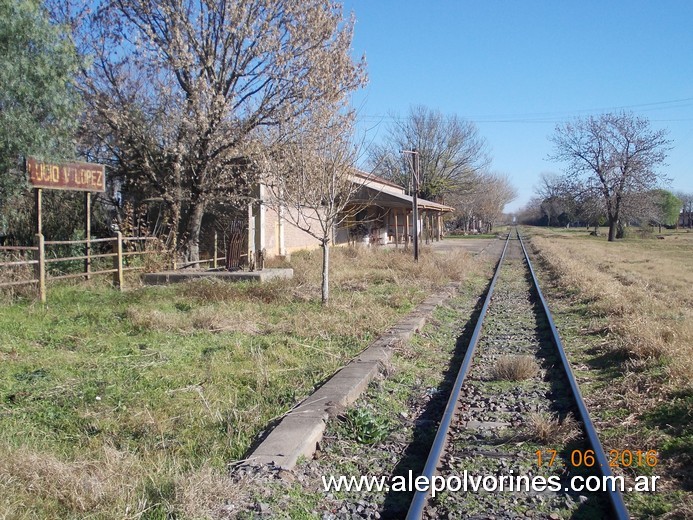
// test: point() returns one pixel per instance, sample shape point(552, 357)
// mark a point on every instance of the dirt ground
point(474, 246)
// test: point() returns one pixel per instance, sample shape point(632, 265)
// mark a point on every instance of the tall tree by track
point(451, 152)
point(614, 155)
point(180, 90)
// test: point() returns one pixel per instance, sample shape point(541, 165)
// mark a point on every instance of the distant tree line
point(612, 177)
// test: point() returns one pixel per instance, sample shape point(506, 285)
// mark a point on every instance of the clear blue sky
point(517, 68)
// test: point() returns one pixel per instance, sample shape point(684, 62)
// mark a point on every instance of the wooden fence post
point(40, 267)
point(87, 234)
point(118, 261)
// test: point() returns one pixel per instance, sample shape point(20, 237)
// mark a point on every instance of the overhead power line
point(554, 117)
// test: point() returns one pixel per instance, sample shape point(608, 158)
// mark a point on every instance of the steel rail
point(419, 501)
point(615, 497)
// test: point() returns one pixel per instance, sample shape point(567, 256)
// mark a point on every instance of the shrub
point(364, 426)
point(515, 368)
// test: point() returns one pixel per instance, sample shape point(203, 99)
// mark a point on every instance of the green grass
point(116, 405)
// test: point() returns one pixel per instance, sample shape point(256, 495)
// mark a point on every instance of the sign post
point(75, 176)
point(38, 196)
point(87, 233)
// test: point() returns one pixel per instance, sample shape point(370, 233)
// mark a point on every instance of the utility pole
point(415, 201)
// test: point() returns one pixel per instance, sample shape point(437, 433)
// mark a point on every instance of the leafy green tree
point(668, 208)
point(38, 105)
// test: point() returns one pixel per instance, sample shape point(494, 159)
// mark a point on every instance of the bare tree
point(310, 181)
point(451, 152)
point(616, 155)
point(530, 213)
point(493, 193)
point(482, 204)
point(180, 90)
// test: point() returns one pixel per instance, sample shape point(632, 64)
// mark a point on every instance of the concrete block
point(293, 437)
point(299, 432)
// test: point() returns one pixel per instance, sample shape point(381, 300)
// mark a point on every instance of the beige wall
point(294, 237)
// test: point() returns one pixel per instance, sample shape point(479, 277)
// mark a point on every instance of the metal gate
point(237, 246)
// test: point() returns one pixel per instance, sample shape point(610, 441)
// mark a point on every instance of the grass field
point(130, 405)
point(625, 311)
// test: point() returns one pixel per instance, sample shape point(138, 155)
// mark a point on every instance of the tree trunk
point(192, 241)
point(620, 230)
point(325, 271)
point(612, 229)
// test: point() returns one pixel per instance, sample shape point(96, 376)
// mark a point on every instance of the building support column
point(396, 230)
point(426, 226)
point(259, 234)
point(406, 230)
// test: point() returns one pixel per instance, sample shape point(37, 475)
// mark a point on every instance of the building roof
point(370, 176)
point(368, 195)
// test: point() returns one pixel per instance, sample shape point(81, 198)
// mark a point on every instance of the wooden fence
point(119, 252)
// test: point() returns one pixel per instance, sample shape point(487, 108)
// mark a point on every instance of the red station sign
point(66, 176)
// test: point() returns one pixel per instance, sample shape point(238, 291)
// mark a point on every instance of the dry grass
point(113, 483)
point(629, 312)
point(381, 265)
point(514, 368)
point(130, 405)
point(545, 428)
point(17, 273)
point(210, 318)
point(641, 287)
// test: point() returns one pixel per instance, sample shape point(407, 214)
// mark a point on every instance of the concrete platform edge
point(302, 428)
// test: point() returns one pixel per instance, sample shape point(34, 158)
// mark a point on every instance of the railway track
point(516, 437)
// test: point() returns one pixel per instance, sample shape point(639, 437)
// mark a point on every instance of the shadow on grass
point(414, 458)
point(675, 418)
